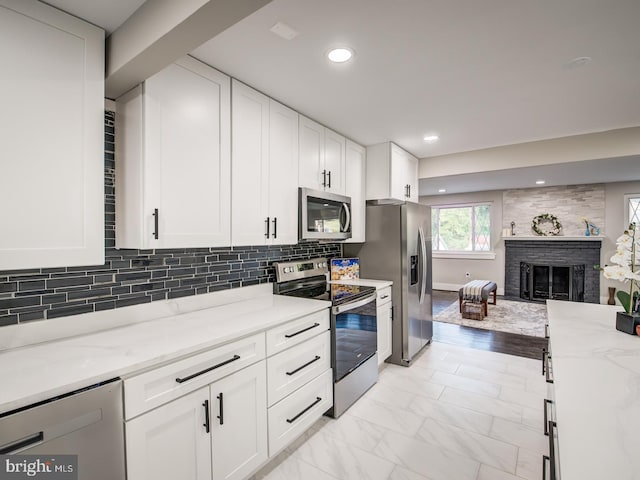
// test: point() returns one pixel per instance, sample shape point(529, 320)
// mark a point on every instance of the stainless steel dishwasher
point(86, 422)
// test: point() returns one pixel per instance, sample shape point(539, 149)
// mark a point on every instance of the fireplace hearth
point(541, 269)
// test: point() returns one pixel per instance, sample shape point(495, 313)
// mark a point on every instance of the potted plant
point(626, 270)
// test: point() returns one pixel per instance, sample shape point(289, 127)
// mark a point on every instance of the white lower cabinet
point(205, 417)
point(385, 319)
point(171, 442)
point(239, 423)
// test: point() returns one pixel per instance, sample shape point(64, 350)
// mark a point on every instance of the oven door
point(323, 216)
point(354, 334)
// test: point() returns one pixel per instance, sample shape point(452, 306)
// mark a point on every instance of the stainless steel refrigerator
point(398, 248)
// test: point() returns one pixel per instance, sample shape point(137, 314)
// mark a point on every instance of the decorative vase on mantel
point(627, 322)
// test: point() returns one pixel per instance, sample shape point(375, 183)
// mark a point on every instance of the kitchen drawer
point(296, 413)
point(384, 295)
point(161, 385)
point(296, 331)
point(289, 370)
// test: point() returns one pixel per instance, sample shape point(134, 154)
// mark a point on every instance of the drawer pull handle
point(303, 366)
point(291, 420)
point(547, 375)
point(302, 331)
point(221, 416)
point(546, 419)
point(201, 372)
point(18, 445)
point(552, 451)
point(546, 331)
point(206, 424)
point(544, 356)
point(545, 459)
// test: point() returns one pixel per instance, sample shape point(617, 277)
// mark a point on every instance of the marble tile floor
point(456, 414)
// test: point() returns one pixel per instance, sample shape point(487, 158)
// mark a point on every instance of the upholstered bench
point(489, 288)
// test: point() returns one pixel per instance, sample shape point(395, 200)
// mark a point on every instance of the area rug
point(507, 316)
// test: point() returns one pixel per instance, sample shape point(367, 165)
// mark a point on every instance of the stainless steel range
point(353, 326)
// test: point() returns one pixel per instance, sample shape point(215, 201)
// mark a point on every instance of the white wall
point(449, 274)
point(615, 224)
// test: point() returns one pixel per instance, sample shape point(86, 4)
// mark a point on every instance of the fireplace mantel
point(560, 238)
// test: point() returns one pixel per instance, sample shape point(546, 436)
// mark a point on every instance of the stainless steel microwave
point(323, 215)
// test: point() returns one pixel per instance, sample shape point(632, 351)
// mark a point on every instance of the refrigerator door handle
point(422, 264)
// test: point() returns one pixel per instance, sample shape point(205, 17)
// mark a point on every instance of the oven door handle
point(353, 305)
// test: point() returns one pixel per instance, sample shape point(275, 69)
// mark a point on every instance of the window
point(461, 228)
point(632, 207)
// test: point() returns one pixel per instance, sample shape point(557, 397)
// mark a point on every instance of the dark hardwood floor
point(510, 343)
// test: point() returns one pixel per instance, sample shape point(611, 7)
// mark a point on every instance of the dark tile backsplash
point(130, 277)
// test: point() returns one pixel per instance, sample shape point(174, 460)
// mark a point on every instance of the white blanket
point(472, 291)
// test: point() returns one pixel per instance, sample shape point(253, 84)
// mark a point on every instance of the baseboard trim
point(454, 287)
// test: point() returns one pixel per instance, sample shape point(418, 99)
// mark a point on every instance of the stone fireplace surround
point(553, 251)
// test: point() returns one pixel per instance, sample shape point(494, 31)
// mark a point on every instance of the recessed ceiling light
point(340, 55)
point(442, 190)
point(431, 138)
point(284, 31)
point(540, 182)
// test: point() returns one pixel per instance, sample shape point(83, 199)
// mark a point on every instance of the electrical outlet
point(467, 274)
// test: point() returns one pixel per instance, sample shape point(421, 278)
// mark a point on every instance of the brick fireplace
point(557, 268)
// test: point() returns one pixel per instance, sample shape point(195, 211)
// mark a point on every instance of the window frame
point(627, 200)
point(467, 254)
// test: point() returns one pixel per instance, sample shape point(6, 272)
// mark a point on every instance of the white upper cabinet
point(392, 173)
point(264, 169)
point(355, 188)
point(173, 160)
point(322, 157)
point(52, 149)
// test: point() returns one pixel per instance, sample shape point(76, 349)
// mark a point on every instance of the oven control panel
point(286, 271)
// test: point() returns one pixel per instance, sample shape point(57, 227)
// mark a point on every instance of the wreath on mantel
point(540, 225)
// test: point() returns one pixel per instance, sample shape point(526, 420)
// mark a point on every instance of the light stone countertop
point(33, 373)
point(378, 284)
point(596, 372)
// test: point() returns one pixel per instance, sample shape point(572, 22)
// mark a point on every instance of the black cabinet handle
point(544, 356)
point(10, 448)
point(156, 216)
point(221, 403)
point(545, 459)
point(324, 178)
point(329, 186)
point(206, 415)
point(275, 227)
point(303, 366)
point(546, 416)
point(409, 188)
point(547, 375)
point(266, 222)
point(302, 331)
point(291, 420)
point(552, 453)
point(201, 372)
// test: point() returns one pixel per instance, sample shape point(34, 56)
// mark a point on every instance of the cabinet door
point(239, 423)
point(249, 170)
point(311, 161)
point(52, 149)
point(334, 161)
point(412, 178)
point(399, 173)
point(187, 156)
point(384, 314)
point(170, 442)
point(283, 174)
point(355, 188)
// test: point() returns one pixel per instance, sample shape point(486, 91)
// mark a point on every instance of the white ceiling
point(479, 74)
